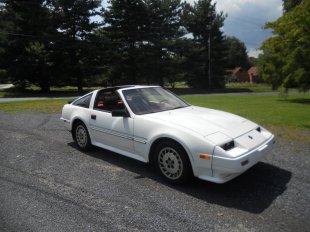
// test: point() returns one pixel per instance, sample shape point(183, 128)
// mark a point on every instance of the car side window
point(84, 101)
point(108, 100)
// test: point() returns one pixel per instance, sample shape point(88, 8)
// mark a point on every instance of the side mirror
point(120, 113)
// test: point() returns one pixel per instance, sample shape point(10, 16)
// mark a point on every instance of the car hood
point(206, 121)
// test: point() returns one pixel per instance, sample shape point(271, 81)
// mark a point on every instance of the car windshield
point(152, 100)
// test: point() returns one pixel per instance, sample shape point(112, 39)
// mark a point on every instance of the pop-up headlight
point(228, 146)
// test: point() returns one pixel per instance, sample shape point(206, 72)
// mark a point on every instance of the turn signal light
point(205, 156)
point(244, 162)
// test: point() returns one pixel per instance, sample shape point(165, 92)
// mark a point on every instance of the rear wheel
point(172, 162)
point(81, 136)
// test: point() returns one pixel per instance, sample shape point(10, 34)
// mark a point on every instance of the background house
point(253, 74)
point(238, 74)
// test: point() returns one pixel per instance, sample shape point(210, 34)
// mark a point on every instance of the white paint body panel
point(199, 130)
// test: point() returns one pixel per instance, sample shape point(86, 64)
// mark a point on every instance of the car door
point(108, 131)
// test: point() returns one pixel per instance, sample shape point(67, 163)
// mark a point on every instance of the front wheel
point(81, 136)
point(172, 162)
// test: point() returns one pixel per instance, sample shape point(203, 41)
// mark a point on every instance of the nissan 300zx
point(151, 124)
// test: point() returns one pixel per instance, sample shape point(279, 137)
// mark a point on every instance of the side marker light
point(205, 156)
point(244, 162)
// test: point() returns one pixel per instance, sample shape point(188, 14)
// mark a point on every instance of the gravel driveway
point(46, 184)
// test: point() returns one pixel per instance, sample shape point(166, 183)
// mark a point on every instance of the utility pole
point(209, 57)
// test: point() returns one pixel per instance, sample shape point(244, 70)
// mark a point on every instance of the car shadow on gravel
point(253, 191)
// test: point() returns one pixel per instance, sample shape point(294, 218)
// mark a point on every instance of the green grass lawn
point(293, 111)
point(254, 87)
point(230, 88)
point(33, 91)
point(288, 117)
point(180, 88)
point(42, 106)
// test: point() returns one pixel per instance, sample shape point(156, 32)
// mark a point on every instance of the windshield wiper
point(178, 107)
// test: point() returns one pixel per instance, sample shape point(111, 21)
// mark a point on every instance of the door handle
point(93, 117)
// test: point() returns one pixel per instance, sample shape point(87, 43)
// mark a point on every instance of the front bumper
point(225, 169)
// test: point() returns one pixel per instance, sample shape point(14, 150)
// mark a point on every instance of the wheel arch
point(76, 120)
point(157, 141)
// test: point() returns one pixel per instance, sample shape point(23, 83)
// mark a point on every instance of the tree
point(202, 21)
point(236, 53)
point(290, 4)
point(285, 60)
point(75, 54)
point(28, 42)
point(125, 27)
point(164, 33)
point(142, 39)
point(253, 61)
point(5, 28)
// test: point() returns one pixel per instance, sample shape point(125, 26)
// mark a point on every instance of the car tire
point(172, 162)
point(81, 136)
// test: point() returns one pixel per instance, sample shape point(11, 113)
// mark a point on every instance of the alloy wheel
point(170, 163)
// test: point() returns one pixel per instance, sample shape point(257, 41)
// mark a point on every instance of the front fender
point(152, 130)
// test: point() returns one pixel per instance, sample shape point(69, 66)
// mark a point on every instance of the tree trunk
point(46, 89)
point(45, 86)
point(80, 84)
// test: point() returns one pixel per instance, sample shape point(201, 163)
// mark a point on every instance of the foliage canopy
point(286, 56)
point(59, 42)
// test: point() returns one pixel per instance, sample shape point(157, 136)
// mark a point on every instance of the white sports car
point(150, 124)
